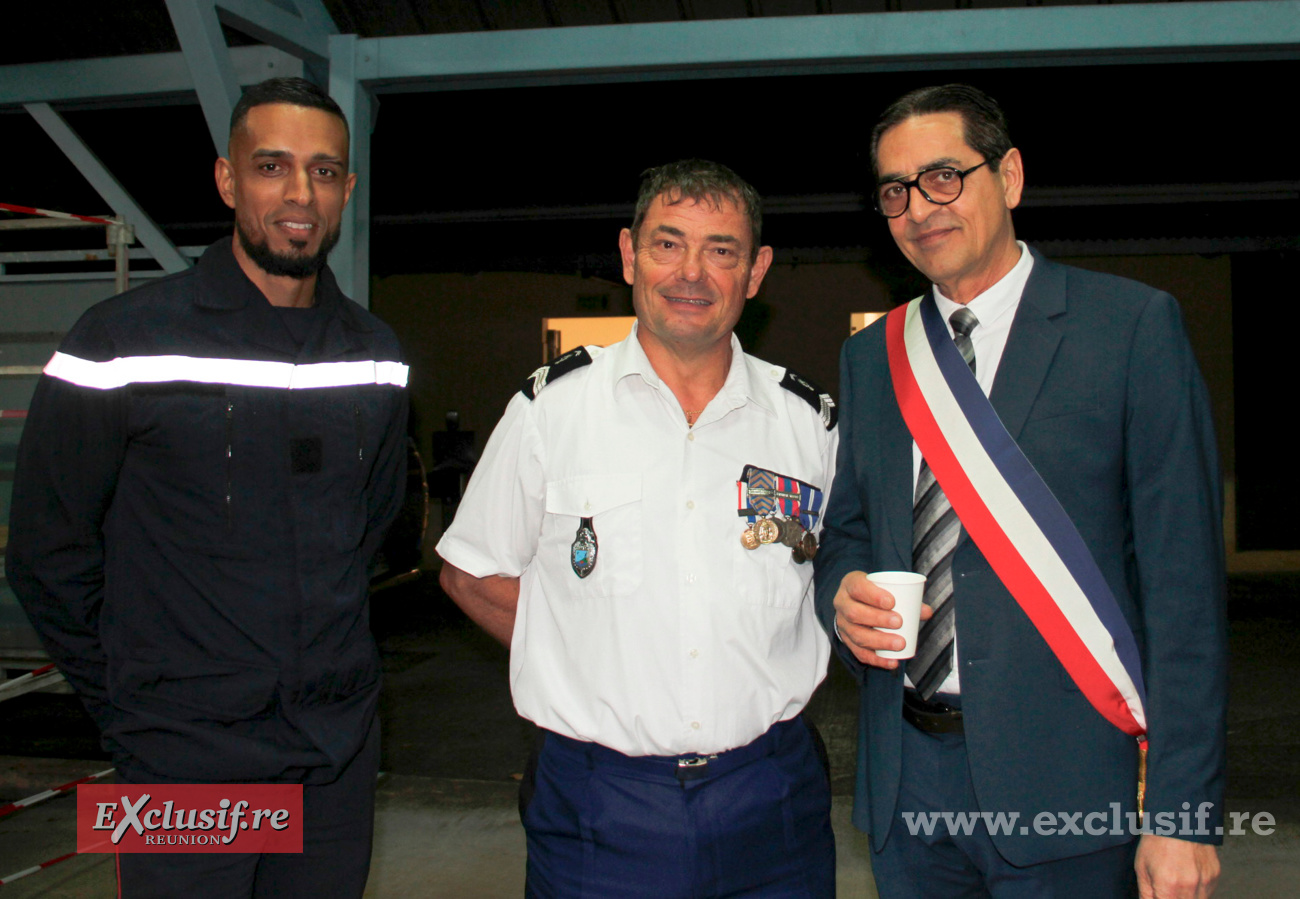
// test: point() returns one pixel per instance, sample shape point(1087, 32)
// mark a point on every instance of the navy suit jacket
point(1099, 387)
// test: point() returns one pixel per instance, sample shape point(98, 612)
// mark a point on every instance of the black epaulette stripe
point(813, 395)
point(571, 361)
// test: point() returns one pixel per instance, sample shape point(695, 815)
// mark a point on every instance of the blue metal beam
point(121, 202)
point(208, 57)
point(1058, 35)
point(158, 75)
point(270, 24)
point(316, 16)
point(351, 258)
point(975, 38)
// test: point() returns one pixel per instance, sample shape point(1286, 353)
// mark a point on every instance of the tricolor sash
point(1011, 514)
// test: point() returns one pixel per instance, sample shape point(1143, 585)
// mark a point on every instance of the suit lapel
point(1031, 345)
point(896, 473)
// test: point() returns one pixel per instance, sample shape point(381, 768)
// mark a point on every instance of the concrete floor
point(447, 825)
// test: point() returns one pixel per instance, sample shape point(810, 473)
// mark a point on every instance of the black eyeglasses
point(941, 186)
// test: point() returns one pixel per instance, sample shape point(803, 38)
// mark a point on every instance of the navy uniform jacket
point(191, 538)
point(1099, 387)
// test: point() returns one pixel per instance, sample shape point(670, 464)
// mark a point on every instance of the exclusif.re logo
point(189, 818)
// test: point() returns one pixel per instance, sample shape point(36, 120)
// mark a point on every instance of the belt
point(933, 717)
point(684, 767)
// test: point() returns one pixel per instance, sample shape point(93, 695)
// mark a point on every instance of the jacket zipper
point(230, 453)
point(361, 451)
point(361, 443)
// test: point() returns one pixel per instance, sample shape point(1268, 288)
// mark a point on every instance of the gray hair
point(702, 181)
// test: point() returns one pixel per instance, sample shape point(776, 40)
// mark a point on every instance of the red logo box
point(189, 818)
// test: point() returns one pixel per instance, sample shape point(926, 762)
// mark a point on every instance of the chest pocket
point(769, 576)
point(613, 502)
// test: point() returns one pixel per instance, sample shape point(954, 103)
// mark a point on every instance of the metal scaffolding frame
point(303, 39)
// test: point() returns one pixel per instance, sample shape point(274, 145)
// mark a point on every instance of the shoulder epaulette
point(813, 395)
point(571, 361)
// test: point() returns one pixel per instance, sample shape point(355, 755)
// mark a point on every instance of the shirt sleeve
point(71, 451)
point(498, 523)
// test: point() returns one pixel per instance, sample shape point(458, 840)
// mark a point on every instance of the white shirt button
point(690, 504)
point(690, 578)
point(690, 435)
point(695, 653)
point(695, 725)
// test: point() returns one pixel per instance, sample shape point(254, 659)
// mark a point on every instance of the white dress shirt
point(996, 309)
point(679, 640)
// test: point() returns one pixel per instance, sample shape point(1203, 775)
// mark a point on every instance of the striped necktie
point(935, 529)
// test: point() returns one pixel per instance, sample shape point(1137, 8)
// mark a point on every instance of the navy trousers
point(751, 822)
point(944, 865)
point(339, 820)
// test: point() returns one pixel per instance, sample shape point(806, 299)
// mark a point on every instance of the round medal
point(791, 531)
point(748, 538)
point(809, 544)
point(768, 531)
point(797, 555)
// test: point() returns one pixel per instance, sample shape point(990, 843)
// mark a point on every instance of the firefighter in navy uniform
point(209, 465)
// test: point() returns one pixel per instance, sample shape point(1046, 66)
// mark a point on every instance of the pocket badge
point(582, 554)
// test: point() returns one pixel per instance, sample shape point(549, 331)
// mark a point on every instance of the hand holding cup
point(868, 618)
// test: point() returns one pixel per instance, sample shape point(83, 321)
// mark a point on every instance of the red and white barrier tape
point(33, 800)
point(33, 680)
point(30, 675)
point(51, 793)
point(50, 213)
point(19, 875)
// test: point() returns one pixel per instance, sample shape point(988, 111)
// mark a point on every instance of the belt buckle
point(693, 768)
point(930, 716)
point(699, 761)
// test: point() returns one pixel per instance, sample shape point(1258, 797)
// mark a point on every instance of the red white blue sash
point(1012, 516)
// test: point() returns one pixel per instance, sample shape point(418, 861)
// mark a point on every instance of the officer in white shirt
point(638, 533)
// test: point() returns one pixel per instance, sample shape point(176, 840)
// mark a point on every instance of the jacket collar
point(223, 286)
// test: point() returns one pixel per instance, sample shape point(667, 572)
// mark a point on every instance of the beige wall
point(804, 311)
point(471, 340)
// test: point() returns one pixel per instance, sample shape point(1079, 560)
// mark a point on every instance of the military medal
point(808, 544)
point(780, 509)
point(582, 554)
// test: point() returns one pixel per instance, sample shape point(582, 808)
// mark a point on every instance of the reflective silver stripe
point(239, 372)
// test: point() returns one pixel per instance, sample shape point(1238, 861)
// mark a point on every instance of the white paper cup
point(907, 588)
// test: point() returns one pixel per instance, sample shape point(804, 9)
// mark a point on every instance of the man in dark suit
point(1092, 376)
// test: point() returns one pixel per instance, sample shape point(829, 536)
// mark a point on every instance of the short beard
point(285, 264)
